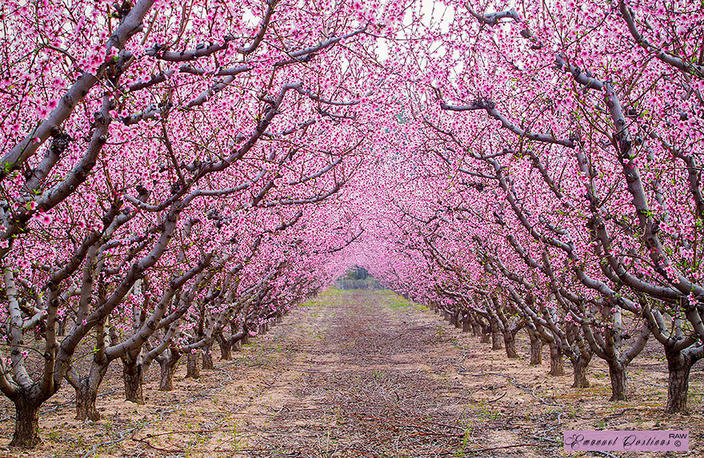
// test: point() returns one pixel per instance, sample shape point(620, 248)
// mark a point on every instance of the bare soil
point(363, 373)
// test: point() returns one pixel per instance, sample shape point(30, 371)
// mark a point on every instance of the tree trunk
point(466, 324)
point(61, 328)
point(245, 338)
point(476, 329)
point(225, 348)
point(237, 346)
point(617, 374)
point(87, 391)
point(678, 366)
point(208, 358)
point(26, 425)
point(486, 336)
point(536, 350)
point(579, 367)
point(85, 402)
point(496, 339)
point(168, 369)
point(192, 369)
point(458, 321)
point(556, 367)
point(132, 375)
point(510, 343)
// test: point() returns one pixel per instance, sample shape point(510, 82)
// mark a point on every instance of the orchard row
point(559, 190)
point(177, 175)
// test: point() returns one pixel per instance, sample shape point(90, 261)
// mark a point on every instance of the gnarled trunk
point(579, 367)
point(87, 391)
point(192, 370)
point(466, 324)
point(486, 337)
point(133, 378)
point(168, 369)
point(225, 347)
point(510, 343)
point(617, 374)
point(456, 320)
point(679, 366)
point(26, 433)
point(476, 329)
point(85, 403)
point(556, 367)
point(496, 338)
point(208, 358)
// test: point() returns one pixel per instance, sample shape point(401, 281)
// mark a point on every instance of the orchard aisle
point(356, 373)
point(362, 379)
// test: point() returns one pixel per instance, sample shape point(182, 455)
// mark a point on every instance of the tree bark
point(556, 367)
point(456, 320)
point(579, 367)
point(26, 425)
point(61, 328)
point(87, 391)
point(486, 336)
point(496, 339)
point(617, 374)
point(168, 369)
point(85, 402)
point(133, 377)
point(536, 350)
point(192, 369)
point(510, 344)
point(476, 329)
point(225, 348)
point(466, 324)
point(679, 366)
point(208, 358)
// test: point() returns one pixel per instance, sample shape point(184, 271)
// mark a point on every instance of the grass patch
point(396, 302)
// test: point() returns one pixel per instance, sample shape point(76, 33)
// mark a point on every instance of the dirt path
point(364, 373)
point(364, 383)
point(354, 373)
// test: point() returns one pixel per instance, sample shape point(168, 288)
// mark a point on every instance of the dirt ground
point(363, 373)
